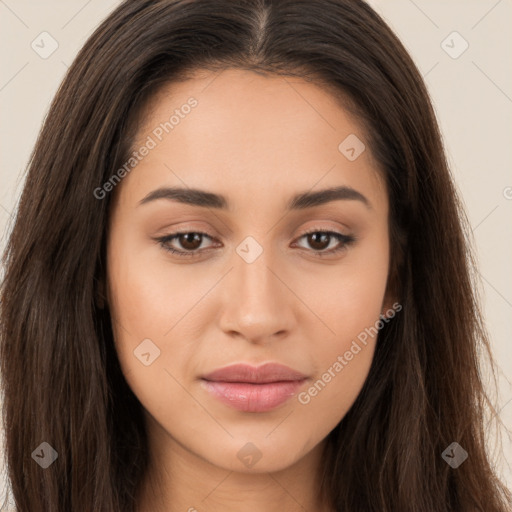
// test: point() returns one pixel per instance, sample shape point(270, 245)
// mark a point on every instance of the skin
point(258, 140)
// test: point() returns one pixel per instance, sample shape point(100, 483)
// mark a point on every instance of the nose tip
point(257, 305)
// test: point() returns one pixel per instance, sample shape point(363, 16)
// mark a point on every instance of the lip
point(263, 374)
point(254, 389)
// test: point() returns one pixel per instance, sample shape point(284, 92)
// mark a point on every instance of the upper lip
point(269, 372)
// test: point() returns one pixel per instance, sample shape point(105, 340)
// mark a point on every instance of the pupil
point(316, 240)
point(189, 240)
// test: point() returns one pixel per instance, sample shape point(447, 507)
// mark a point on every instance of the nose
point(257, 303)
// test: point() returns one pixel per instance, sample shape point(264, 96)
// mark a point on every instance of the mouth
point(254, 389)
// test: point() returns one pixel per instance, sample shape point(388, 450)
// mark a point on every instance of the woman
point(239, 276)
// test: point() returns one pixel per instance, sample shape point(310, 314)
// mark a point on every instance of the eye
point(191, 242)
point(320, 240)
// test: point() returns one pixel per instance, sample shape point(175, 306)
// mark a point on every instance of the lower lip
point(253, 397)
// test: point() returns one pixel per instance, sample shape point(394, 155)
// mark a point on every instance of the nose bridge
point(257, 303)
point(255, 284)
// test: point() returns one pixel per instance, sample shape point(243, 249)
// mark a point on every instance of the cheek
point(329, 397)
point(350, 306)
point(349, 298)
point(150, 304)
point(343, 360)
point(148, 296)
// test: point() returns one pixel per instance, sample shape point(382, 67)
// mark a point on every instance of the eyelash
point(345, 240)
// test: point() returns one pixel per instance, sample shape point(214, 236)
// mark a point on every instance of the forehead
point(249, 132)
point(257, 104)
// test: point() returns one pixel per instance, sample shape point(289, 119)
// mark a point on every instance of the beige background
point(472, 95)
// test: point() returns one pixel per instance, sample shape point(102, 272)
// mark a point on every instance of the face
point(260, 275)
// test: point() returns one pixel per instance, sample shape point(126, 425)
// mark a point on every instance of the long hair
point(61, 379)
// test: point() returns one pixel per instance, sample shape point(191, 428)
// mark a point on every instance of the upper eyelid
point(172, 236)
point(198, 231)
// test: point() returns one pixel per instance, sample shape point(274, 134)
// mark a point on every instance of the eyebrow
point(301, 201)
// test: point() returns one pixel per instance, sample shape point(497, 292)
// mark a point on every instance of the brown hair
point(61, 379)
